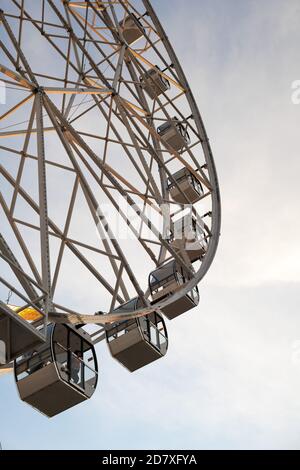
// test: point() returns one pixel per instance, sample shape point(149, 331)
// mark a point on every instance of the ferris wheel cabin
point(137, 342)
point(189, 235)
point(17, 335)
point(186, 188)
point(132, 29)
point(174, 133)
point(166, 281)
point(60, 374)
point(154, 83)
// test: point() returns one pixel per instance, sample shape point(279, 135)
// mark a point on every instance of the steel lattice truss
point(79, 134)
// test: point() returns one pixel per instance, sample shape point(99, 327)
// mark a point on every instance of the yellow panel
point(29, 313)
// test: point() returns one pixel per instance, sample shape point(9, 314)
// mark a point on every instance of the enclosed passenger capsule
point(138, 341)
point(189, 235)
point(130, 29)
point(174, 133)
point(18, 332)
point(154, 83)
point(185, 187)
point(166, 281)
point(60, 374)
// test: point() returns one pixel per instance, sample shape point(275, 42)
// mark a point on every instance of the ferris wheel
point(109, 199)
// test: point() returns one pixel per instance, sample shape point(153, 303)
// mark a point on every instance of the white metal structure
point(93, 89)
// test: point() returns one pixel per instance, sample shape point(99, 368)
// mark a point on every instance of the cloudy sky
point(231, 379)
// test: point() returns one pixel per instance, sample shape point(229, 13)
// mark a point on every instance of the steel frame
point(99, 65)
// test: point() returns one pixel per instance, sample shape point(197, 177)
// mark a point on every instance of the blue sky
point(231, 378)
